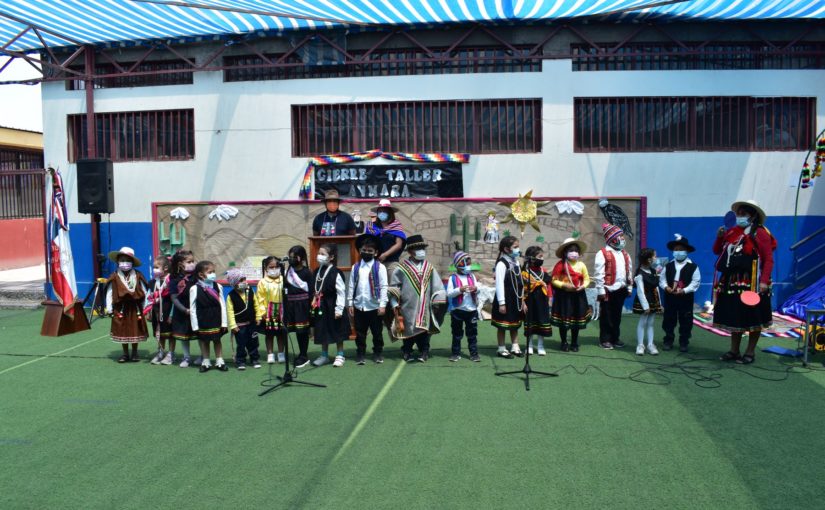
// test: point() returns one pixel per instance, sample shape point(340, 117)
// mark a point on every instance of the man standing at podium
point(333, 222)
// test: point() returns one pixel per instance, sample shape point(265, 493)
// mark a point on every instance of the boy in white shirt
point(680, 280)
point(462, 299)
point(367, 298)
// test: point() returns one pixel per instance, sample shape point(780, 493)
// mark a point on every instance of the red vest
point(610, 267)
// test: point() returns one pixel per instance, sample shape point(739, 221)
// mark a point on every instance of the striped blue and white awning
point(129, 22)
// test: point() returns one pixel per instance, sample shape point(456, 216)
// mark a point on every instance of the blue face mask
point(516, 253)
point(619, 245)
point(680, 255)
point(743, 221)
point(210, 277)
point(464, 270)
point(382, 216)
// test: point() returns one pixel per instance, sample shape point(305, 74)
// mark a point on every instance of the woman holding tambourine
point(743, 288)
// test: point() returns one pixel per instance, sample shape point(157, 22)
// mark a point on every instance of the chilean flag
point(61, 263)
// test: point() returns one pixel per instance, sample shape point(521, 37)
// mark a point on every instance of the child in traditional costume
point(613, 274)
point(508, 305)
point(268, 311)
point(125, 300)
point(207, 312)
point(159, 307)
point(329, 315)
point(298, 298)
point(537, 294)
point(570, 311)
point(240, 317)
point(462, 303)
point(680, 280)
point(181, 279)
point(418, 298)
point(367, 298)
point(647, 302)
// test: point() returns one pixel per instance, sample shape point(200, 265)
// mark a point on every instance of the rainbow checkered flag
point(61, 263)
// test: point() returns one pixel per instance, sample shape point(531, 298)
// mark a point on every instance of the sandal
point(135, 358)
point(730, 356)
point(747, 359)
point(123, 359)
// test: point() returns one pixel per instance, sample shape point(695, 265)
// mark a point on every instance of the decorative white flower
point(678, 237)
point(223, 213)
point(179, 213)
point(570, 207)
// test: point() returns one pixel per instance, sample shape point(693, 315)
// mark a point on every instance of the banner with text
point(423, 180)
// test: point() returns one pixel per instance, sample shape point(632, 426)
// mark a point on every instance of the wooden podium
point(56, 323)
point(347, 252)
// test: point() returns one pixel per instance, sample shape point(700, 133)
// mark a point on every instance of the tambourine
point(750, 298)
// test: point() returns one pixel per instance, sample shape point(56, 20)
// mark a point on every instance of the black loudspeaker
point(95, 186)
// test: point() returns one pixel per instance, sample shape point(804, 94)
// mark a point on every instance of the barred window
point(136, 136)
point(478, 127)
point(659, 56)
point(387, 62)
point(648, 124)
point(159, 72)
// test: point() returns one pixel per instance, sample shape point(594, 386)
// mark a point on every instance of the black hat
point(362, 238)
point(680, 239)
point(415, 242)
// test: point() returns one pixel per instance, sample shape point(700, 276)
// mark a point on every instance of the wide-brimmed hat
point(415, 242)
point(362, 238)
point(124, 252)
point(752, 204)
point(384, 203)
point(680, 239)
point(331, 194)
point(568, 242)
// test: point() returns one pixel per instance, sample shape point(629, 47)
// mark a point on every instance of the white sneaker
point(541, 350)
point(184, 363)
point(168, 359)
point(270, 358)
point(281, 358)
point(157, 358)
point(640, 350)
point(652, 350)
point(339, 361)
point(320, 361)
point(529, 347)
point(256, 364)
point(515, 349)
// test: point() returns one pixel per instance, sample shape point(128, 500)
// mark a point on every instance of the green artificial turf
point(78, 430)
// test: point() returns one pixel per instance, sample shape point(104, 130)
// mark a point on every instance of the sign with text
point(422, 180)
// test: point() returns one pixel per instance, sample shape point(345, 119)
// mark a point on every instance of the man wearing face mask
point(416, 290)
point(680, 280)
point(613, 277)
point(333, 222)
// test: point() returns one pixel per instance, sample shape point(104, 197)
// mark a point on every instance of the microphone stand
point(289, 377)
point(526, 369)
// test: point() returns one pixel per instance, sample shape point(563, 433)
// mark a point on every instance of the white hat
point(753, 205)
point(125, 251)
point(570, 241)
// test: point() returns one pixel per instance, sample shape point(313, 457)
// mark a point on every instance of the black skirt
point(731, 314)
point(537, 318)
point(296, 313)
point(570, 309)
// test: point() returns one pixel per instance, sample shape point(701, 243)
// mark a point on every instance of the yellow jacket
point(269, 291)
point(577, 266)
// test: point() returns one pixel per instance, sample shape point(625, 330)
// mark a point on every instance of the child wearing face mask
point(647, 302)
point(181, 279)
point(269, 315)
point(298, 298)
point(367, 299)
point(508, 304)
point(462, 303)
point(538, 291)
point(680, 280)
point(240, 317)
point(570, 311)
point(159, 306)
point(125, 301)
point(417, 294)
point(329, 314)
point(613, 275)
point(207, 312)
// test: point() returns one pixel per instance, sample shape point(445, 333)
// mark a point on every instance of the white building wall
point(243, 139)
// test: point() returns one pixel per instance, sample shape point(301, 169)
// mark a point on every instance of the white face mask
point(573, 255)
point(189, 267)
point(157, 272)
point(273, 273)
point(322, 259)
point(124, 266)
point(243, 286)
point(420, 254)
point(211, 277)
